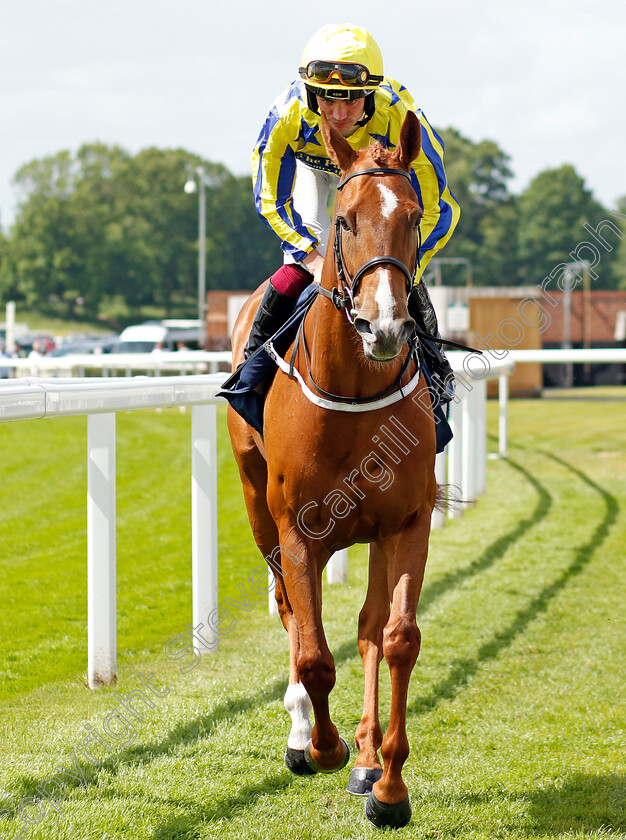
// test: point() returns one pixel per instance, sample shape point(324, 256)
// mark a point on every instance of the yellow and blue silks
point(291, 132)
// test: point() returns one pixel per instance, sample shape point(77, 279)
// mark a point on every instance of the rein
point(344, 298)
point(385, 397)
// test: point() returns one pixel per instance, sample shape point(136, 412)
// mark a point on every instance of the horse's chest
point(340, 490)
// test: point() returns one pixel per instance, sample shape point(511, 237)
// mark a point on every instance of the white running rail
point(99, 398)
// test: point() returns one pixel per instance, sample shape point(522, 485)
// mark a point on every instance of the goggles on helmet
point(346, 74)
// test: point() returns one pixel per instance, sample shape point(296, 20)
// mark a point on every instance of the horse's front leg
point(405, 555)
point(372, 618)
point(326, 752)
point(253, 472)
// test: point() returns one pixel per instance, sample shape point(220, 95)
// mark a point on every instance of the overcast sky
point(545, 79)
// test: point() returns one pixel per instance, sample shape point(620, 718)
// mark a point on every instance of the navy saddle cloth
point(238, 389)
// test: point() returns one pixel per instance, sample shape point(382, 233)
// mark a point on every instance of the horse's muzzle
point(383, 340)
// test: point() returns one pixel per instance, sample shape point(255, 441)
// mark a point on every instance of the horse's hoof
point(317, 768)
point(296, 762)
point(387, 815)
point(362, 780)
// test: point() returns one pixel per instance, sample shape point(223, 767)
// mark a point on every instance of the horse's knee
point(401, 642)
point(281, 600)
point(317, 672)
point(371, 622)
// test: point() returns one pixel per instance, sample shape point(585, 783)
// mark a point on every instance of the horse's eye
point(344, 224)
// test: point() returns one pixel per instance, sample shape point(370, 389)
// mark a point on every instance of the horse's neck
point(334, 352)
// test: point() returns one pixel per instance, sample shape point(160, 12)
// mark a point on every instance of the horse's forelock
point(380, 154)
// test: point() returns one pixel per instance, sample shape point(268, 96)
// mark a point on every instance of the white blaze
point(384, 297)
point(390, 200)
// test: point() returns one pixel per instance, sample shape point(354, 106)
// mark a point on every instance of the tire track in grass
point(462, 671)
point(495, 551)
point(188, 826)
point(201, 727)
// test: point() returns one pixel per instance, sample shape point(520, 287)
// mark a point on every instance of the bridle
point(343, 298)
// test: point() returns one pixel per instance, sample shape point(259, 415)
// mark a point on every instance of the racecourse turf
point(516, 708)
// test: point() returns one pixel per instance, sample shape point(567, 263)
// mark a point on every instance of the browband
point(380, 170)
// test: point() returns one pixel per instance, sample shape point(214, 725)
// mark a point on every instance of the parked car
point(79, 344)
point(159, 335)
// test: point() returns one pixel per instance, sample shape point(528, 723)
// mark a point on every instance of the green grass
point(53, 325)
point(114, 315)
point(516, 708)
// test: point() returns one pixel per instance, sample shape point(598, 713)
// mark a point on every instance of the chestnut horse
point(347, 457)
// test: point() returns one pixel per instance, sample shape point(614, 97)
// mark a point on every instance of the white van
point(170, 334)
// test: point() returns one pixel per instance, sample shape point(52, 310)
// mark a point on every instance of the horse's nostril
point(407, 329)
point(363, 326)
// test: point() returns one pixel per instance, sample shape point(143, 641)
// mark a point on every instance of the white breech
point(310, 200)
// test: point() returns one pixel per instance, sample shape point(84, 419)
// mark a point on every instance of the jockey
point(341, 76)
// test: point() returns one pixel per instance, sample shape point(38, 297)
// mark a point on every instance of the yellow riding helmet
point(342, 61)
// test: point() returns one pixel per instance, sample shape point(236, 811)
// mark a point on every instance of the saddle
point(245, 389)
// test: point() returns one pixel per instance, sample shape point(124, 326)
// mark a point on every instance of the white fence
point(595, 356)
point(463, 464)
point(110, 364)
point(100, 398)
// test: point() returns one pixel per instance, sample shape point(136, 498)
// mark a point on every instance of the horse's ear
point(410, 142)
point(339, 150)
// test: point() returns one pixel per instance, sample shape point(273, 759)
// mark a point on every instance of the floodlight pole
point(202, 258)
point(197, 181)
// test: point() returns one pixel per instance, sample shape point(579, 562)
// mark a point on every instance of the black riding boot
point(272, 313)
point(422, 311)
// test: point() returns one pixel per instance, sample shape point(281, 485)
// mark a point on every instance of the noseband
point(344, 298)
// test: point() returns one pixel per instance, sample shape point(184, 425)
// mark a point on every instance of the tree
point(152, 230)
point(497, 257)
point(619, 265)
point(101, 223)
point(553, 210)
point(56, 244)
point(249, 252)
point(486, 234)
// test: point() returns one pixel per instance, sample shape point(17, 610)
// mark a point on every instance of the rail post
point(337, 568)
point(204, 518)
point(455, 454)
point(101, 552)
point(503, 403)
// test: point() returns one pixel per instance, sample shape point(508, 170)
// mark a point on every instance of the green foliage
point(552, 212)
point(478, 174)
point(101, 226)
point(4, 244)
point(102, 223)
point(619, 266)
point(512, 240)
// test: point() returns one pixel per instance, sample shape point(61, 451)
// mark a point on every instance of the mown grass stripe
point(516, 713)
